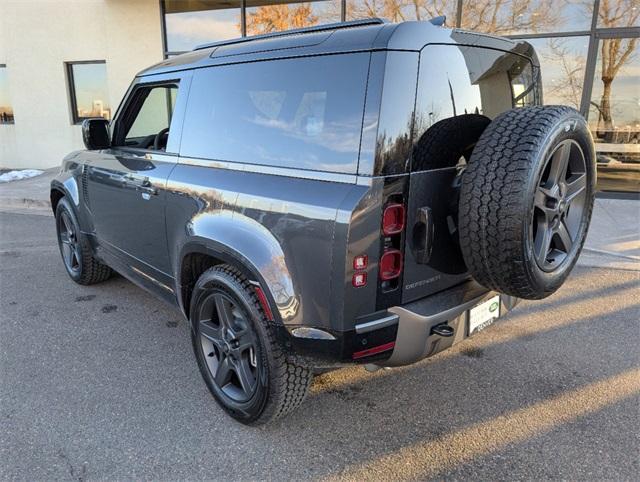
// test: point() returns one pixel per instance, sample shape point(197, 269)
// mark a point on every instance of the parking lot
point(100, 383)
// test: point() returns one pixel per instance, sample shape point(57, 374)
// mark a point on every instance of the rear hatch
point(460, 89)
point(432, 260)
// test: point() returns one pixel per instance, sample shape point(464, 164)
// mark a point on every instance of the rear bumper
point(415, 321)
point(397, 336)
point(415, 340)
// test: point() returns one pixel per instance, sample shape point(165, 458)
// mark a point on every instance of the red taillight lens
point(390, 264)
point(359, 280)
point(393, 219)
point(360, 262)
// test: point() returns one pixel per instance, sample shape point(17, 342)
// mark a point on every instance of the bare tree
point(568, 88)
point(402, 10)
point(273, 18)
point(506, 16)
point(615, 52)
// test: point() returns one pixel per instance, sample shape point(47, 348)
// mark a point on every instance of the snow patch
point(16, 175)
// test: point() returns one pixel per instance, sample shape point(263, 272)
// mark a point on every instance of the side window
point(303, 113)
point(146, 123)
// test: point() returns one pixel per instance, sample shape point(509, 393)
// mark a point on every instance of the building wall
point(37, 37)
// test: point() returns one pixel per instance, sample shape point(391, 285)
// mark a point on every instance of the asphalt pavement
point(100, 383)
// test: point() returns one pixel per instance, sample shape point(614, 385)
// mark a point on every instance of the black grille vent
point(85, 191)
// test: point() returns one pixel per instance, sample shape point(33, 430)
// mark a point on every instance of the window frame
point(71, 87)
point(118, 127)
point(13, 120)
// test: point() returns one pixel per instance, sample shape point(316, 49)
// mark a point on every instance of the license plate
point(484, 314)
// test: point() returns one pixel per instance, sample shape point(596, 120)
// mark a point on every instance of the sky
point(188, 29)
point(91, 84)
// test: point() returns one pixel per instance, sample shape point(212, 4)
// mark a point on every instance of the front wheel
point(81, 265)
point(238, 356)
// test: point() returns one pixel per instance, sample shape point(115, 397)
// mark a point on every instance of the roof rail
point(315, 28)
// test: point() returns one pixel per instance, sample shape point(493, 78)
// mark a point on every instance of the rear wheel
point(238, 356)
point(526, 200)
point(81, 265)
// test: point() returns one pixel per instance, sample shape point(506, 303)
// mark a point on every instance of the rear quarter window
point(298, 113)
point(460, 90)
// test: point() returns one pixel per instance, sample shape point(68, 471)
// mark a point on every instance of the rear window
point(300, 113)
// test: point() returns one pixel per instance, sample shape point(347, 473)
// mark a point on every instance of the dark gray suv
point(362, 192)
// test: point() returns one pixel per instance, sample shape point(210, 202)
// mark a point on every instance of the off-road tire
point(445, 142)
point(282, 385)
point(496, 208)
point(90, 271)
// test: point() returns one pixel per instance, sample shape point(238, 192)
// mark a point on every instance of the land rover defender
point(355, 193)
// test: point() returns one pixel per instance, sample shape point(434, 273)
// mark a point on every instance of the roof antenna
point(439, 21)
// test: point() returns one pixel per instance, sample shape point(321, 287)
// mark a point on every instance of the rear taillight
point(390, 264)
point(393, 219)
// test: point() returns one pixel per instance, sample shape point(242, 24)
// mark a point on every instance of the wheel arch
point(244, 244)
point(64, 186)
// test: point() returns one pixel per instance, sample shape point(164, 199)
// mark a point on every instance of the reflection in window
point(285, 16)
point(479, 84)
point(526, 16)
point(298, 113)
point(402, 10)
point(187, 29)
point(6, 110)
point(88, 90)
point(562, 62)
point(614, 114)
point(619, 13)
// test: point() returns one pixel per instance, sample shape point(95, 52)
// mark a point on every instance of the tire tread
point(494, 198)
point(289, 382)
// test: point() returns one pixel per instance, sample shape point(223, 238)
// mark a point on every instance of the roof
point(357, 36)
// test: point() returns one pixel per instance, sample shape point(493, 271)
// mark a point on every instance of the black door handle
point(140, 183)
point(423, 235)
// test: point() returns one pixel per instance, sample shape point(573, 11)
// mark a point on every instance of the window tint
point(154, 114)
point(468, 80)
point(304, 113)
point(460, 89)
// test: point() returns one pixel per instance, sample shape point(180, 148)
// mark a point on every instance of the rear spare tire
point(526, 200)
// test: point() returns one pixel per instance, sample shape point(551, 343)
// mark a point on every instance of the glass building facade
point(589, 50)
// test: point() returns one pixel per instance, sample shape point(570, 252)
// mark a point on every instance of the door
point(126, 184)
point(460, 89)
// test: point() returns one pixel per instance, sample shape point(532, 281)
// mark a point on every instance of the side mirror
point(95, 133)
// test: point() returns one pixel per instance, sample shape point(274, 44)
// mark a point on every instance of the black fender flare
point(247, 245)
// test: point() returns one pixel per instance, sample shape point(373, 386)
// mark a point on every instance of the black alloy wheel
point(75, 248)
point(229, 346)
point(526, 200)
point(69, 243)
point(238, 352)
point(559, 205)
